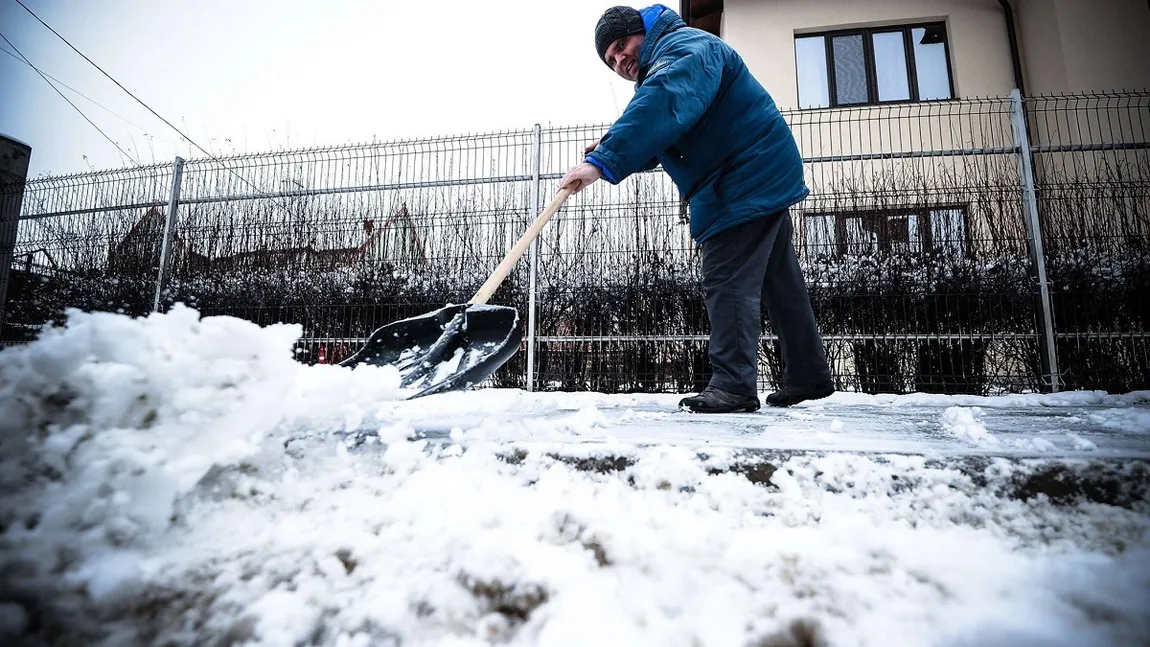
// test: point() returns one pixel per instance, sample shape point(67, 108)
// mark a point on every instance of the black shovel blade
point(449, 349)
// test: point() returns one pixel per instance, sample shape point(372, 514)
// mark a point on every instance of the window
point(890, 231)
point(869, 66)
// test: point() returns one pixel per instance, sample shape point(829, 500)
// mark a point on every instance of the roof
point(15, 141)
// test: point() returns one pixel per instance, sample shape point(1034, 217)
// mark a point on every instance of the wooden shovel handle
point(517, 251)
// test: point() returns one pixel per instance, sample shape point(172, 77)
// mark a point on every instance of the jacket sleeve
point(647, 166)
point(665, 107)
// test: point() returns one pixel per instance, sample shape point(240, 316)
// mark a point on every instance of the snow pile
point(13, 619)
point(434, 545)
point(1081, 444)
point(1123, 403)
point(965, 424)
point(179, 481)
point(107, 423)
point(1129, 420)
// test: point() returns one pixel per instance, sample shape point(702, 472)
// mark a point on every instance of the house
point(138, 252)
point(953, 48)
point(899, 108)
point(396, 240)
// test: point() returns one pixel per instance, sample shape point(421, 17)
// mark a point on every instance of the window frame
point(922, 214)
point(867, 34)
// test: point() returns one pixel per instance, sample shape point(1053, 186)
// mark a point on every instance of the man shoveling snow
point(699, 112)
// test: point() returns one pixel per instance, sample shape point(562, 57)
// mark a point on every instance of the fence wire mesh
point(1092, 171)
point(914, 241)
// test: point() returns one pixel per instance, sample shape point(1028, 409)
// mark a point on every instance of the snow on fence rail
point(977, 245)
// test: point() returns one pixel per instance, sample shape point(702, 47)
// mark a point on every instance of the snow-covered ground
point(178, 481)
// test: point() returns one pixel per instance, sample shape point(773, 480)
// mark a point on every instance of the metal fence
point(976, 246)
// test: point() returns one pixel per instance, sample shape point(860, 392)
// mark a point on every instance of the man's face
point(623, 56)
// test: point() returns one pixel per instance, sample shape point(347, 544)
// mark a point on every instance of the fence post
point(538, 135)
point(1046, 344)
point(169, 229)
point(14, 158)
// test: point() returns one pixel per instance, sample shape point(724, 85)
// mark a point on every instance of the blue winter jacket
point(698, 111)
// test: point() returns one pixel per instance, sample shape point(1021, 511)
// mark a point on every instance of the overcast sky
point(256, 75)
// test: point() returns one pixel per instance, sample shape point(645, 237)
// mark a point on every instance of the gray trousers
point(744, 266)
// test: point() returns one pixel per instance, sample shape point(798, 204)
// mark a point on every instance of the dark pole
point(1012, 36)
point(14, 158)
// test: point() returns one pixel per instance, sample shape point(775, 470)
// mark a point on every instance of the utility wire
point(74, 106)
point(146, 106)
point(97, 103)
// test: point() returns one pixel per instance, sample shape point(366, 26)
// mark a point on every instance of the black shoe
point(714, 400)
point(789, 395)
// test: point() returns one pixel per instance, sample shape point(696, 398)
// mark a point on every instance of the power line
point(138, 100)
point(97, 103)
point(74, 106)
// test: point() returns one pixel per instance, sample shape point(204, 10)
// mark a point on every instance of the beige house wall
point(1067, 45)
point(1084, 45)
point(1040, 46)
point(763, 32)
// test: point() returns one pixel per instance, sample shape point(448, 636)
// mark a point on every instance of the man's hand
point(590, 147)
point(580, 176)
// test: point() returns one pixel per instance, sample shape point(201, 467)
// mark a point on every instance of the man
point(698, 111)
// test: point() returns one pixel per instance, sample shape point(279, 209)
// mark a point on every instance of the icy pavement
point(1083, 425)
point(177, 481)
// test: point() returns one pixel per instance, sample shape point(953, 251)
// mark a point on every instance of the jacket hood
point(651, 14)
point(659, 21)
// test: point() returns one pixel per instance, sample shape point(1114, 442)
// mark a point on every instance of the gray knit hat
point(616, 23)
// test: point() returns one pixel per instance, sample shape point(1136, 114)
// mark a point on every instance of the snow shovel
point(459, 345)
